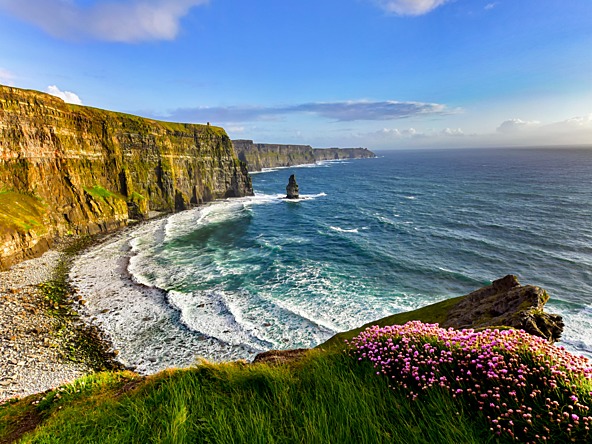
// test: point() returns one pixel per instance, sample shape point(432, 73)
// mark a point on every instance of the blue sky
point(375, 73)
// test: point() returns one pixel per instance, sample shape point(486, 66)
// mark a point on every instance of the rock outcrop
point(292, 188)
point(265, 155)
point(504, 303)
point(507, 303)
point(68, 169)
point(277, 357)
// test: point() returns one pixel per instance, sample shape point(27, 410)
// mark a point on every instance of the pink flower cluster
point(527, 388)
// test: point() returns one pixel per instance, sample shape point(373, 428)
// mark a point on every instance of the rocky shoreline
point(45, 342)
point(33, 343)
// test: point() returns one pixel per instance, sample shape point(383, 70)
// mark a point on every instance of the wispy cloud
point(573, 131)
point(516, 125)
point(123, 21)
point(338, 111)
point(410, 7)
point(66, 96)
point(512, 132)
point(6, 77)
point(492, 5)
point(412, 133)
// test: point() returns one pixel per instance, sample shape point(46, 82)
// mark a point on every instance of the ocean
point(368, 238)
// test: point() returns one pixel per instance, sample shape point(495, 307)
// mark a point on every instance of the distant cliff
point(342, 153)
point(265, 155)
point(67, 169)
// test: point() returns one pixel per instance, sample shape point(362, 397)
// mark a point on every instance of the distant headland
point(267, 155)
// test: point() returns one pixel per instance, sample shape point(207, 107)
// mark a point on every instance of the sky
point(374, 73)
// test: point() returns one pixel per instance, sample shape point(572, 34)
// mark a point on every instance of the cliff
point(265, 155)
point(341, 153)
point(68, 169)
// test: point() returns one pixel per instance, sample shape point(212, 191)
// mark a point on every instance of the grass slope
point(327, 397)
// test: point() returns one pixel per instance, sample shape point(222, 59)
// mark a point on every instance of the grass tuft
point(324, 398)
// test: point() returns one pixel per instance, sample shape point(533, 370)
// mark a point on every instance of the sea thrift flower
point(506, 374)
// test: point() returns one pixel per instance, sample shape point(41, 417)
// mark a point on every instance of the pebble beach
point(32, 344)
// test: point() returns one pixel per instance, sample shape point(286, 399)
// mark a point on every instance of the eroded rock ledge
point(505, 303)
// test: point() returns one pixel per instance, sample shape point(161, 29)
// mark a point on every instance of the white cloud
point(573, 131)
point(339, 111)
point(123, 21)
point(66, 96)
point(453, 132)
point(516, 125)
point(6, 77)
point(410, 7)
point(575, 123)
point(489, 6)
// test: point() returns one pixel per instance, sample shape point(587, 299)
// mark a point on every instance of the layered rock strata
point(68, 169)
point(341, 153)
point(265, 155)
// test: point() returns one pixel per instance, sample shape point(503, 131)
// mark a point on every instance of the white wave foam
point(576, 334)
point(303, 197)
point(344, 230)
point(138, 320)
point(208, 312)
point(270, 170)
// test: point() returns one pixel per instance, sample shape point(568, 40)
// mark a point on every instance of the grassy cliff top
point(397, 380)
point(417, 384)
point(11, 96)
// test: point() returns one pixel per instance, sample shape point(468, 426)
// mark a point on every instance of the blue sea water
point(373, 237)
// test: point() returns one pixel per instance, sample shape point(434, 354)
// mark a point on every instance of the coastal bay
point(242, 276)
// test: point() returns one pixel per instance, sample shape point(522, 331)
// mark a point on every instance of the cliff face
point(72, 169)
point(264, 155)
point(342, 153)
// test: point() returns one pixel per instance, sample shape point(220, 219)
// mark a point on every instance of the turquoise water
point(377, 236)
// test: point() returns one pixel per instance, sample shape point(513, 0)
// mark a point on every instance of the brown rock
point(280, 356)
point(292, 188)
point(507, 303)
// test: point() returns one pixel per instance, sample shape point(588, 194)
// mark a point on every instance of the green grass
point(328, 397)
point(21, 212)
point(99, 192)
point(136, 196)
point(431, 314)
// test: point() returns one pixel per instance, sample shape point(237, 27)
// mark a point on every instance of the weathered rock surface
point(507, 303)
point(264, 155)
point(68, 169)
point(280, 356)
point(504, 303)
point(292, 188)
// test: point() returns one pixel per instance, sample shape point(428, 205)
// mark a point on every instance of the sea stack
point(292, 188)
